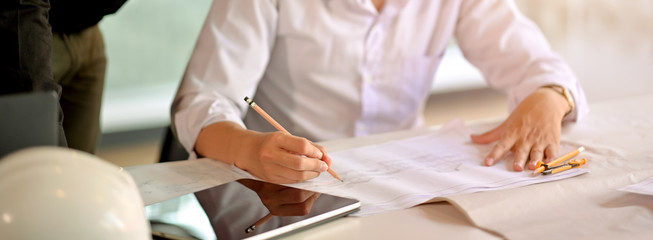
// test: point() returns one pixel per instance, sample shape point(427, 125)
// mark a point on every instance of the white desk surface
point(618, 136)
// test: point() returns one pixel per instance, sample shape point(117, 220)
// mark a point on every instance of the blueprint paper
point(404, 173)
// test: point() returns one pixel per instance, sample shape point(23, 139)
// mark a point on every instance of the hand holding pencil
point(275, 157)
point(304, 150)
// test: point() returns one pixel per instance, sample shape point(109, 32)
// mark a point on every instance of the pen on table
point(278, 126)
point(569, 165)
point(258, 223)
point(541, 166)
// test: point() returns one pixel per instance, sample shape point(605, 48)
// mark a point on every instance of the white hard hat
point(59, 193)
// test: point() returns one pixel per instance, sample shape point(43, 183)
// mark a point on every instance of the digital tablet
point(251, 209)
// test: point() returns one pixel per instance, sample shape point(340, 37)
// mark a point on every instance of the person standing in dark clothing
point(25, 50)
point(25, 46)
point(79, 65)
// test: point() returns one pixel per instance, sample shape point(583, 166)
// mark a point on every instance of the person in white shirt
point(329, 69)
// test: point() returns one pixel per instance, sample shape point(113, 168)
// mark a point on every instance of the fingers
point(551, 152)
point(289, 159)
point(325, 157)
point(526, 154)
point(303, 155)
point(499, 151)
point(536, 155)
point(286, 167)
point(521, 154)
point(301, 146)
point(527, 148)
point(488, 137)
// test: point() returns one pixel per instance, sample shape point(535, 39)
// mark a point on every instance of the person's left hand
point(531, 132)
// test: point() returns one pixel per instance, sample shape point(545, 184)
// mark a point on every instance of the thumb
point(324, 157)
point(489, 136)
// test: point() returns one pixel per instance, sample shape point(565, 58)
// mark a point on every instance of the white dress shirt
point(329, 69)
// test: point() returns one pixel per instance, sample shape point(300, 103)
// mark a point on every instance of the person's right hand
point(283, 158)
point(275, 157)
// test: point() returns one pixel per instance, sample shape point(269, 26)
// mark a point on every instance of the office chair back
point(172, 150)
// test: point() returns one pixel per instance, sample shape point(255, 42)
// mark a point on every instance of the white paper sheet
point(404, 173)
point(163, 181)
point(644, 187)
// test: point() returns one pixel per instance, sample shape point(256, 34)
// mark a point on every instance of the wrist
point(225, 142)
point(566, 96)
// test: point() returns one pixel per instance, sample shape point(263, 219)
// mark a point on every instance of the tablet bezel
point(309, 222)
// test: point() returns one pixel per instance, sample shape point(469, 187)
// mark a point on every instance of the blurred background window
point(148, 44)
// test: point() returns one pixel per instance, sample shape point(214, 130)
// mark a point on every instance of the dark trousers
point(26, 48)
point(79, 63)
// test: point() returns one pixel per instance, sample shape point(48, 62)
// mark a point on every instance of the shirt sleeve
point(512, 53)
point(228, 61)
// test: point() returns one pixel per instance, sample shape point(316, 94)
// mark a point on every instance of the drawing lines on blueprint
point(393, 161)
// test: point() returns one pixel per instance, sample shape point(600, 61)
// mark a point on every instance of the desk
point(617, 135)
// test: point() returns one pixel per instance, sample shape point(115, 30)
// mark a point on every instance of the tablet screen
point(259, 210)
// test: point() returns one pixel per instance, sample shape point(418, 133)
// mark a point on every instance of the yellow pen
point(541, 166)
point(569, 165)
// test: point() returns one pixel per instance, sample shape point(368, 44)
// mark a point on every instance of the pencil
point(258, 223)
point(278, 126)
point(541, 166)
